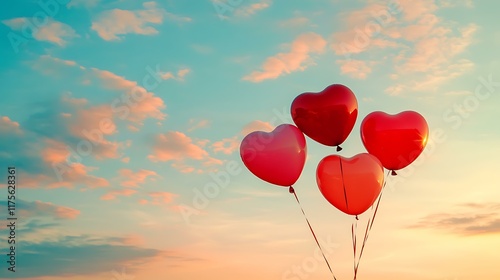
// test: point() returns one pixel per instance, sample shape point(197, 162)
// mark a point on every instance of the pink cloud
point(110, 24)
point(256, 126)
point(9, 126)
point(413, 10)
point(93, 125)
point(140, 103)
point(194, 124)
point(175, 145)
point(226, 146)
point(53, 31)
point(158, 198)
point(253, 8)
point(361, 26)
point(56, 155)
point(54, 152)
point(357, 69)
point(183, 168)
point(297, 59)
point(112, 195)
point(39, 208)
point(77, 173)
point(135, 179)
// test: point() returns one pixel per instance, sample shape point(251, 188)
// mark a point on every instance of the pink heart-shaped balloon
point(350, 184)
point(277, 157)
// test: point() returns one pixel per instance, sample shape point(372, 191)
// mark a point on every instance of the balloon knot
point(339, 148)
point(357, 217)
point(393, 173)
point(291, 190)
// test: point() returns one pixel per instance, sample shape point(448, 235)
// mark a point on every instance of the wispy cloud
point(53, 31)
point(251, 9)
point(297, 59)
point(427, 48)
point(133, 179)
point(465, 219)
point(111, 25)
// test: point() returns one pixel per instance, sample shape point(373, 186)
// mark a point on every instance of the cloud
point(294, 22)
point(111, 195)
point(141, 103)
point(159, 198)
point(92, 125)
point(256, 126)
point(226, 145)
point(297, 59)
point(111, 24)
point(135, 179)
point(183, 152)
point(31, 209)
point(179, 76)
point(426, 47)
point(251, 9)
point(55, 67)
point(356, 69)
point(361, 26)
point(73, 255)
point(9, 126)
point(56, 154)
point(175, 145)
point(466, 219)
point(197, 124)
point(53, 31)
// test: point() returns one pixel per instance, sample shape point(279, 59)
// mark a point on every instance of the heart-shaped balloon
point(277, 157)
point(327, 116)
point(396, 140)
point(350, 184)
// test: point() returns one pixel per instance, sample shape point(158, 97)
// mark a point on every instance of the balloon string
point(369, 226)
point(354, 229)
point(343, 183)
point(292, 191)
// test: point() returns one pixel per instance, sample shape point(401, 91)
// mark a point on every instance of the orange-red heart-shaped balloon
point(350, 184)
point(327, 116)
point(277, 157)
point(396, 140)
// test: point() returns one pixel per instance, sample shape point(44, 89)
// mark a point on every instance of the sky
point(123, 120)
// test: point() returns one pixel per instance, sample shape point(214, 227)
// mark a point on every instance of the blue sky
point(206, 74)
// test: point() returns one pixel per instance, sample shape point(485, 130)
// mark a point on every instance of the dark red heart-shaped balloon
point(327, 116)
point(350, 184)
point(277, 157)
point(396, 140)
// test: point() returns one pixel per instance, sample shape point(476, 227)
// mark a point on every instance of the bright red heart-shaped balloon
point(396, 140)
point(277, 157)
point(327, 116)
point(350, 184)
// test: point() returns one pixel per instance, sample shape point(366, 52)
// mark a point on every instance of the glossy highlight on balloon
point(277, 157)
point(350, 184)
point(327, 117)
point(396, 140)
